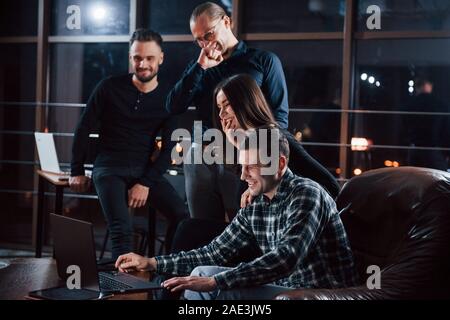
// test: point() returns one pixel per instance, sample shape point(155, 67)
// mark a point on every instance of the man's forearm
point(152, 264)
point(182, 95)
point(78, 152)
point(183, 263)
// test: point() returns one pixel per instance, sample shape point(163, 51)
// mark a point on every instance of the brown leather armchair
point(399, 220)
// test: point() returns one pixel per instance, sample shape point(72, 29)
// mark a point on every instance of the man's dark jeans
point(112, 185)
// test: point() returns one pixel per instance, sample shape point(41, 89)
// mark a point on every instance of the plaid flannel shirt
point(300, 235)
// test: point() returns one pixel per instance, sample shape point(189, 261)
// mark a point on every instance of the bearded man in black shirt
point(129, 111)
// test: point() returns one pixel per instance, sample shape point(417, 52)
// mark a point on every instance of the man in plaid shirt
point(292, 221)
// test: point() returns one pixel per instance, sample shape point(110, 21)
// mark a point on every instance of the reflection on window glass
point(407, 15)
point(18, 18)
point(93, 17)
point(75, 71)
point(322, 128)
point(76, 68)
point(313, 71)
point(293, 16)
point(18, 146)
point(17, 176)
point(386, 70)
point(395, 130)
point(172, 16)
point(20, 118)
point(17, 72)
point(410, 76)
point(371, 157)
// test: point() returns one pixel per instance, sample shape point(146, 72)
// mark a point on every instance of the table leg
point(40, 218)
point(151, 231)
point(59, 200)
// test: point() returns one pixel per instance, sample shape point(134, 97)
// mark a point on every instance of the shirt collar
point(241, 48)
point(283, 187)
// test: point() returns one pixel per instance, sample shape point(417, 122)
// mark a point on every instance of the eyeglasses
point(208, 36)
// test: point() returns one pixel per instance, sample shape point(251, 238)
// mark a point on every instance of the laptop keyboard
point(107, 283)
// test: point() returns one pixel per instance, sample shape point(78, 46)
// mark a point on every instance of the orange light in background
point(46, 130)
point(389, 163)
point(338, 170)
point(357, 172)
point(360, 144)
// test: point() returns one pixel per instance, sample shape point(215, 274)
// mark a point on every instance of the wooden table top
point(28, 274)
point(53, 178)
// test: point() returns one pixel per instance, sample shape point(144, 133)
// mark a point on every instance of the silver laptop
point(48, 157)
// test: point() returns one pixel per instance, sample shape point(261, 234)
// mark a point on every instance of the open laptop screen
point(47, 152)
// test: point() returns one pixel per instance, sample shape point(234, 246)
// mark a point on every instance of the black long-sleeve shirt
point(129, 121)
point(196, 86)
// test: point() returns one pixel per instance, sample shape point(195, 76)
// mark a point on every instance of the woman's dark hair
point(247, 101)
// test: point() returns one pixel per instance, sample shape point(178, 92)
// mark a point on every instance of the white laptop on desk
point(48, 157)
point(47, 154)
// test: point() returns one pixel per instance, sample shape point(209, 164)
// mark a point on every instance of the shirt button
point(135, 107)
point(138, 101)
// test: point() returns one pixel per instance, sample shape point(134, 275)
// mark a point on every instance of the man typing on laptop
point(294, 224)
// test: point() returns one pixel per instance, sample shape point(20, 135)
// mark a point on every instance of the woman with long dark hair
point(240, 104)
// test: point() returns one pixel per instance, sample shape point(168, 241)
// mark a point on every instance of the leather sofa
point(399, 220)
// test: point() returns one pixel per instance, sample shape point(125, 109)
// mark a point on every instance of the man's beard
point(148, 78)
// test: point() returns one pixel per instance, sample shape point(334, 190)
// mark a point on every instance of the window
point(404, 15)
point(15, 22)
point(261, 16)
point(314, 79)
point(394, 63)
point(17, 72)
point(172, 16)
point(76, 68)
point(386, 78)
point(83, 17)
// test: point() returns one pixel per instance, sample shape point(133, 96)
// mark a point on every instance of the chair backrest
point(399, 220)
